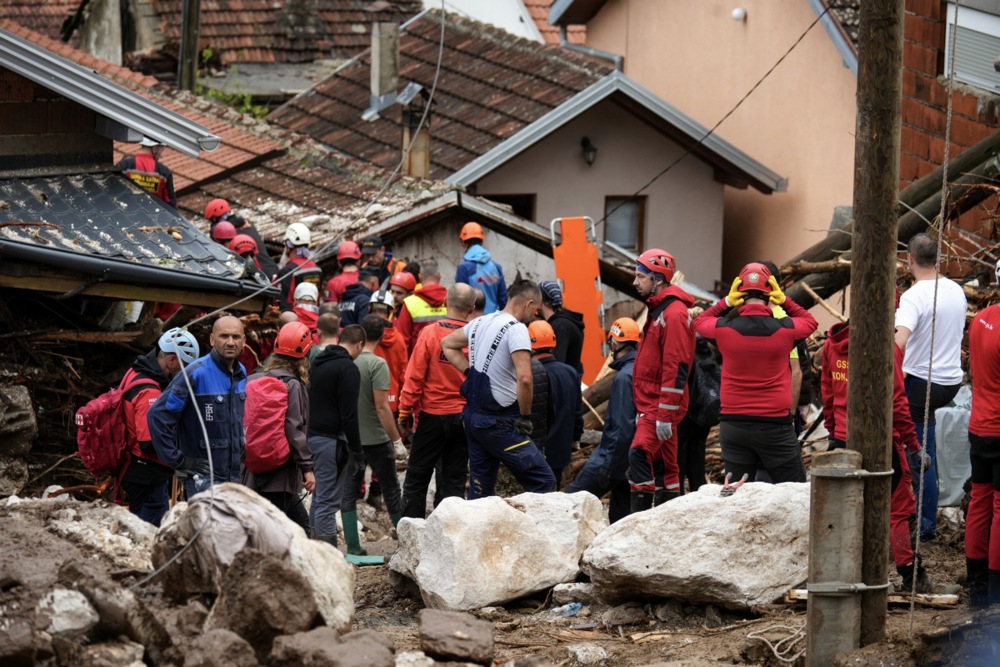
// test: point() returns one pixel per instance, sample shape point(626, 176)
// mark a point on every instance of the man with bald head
point(204, 400)
point(432, 387)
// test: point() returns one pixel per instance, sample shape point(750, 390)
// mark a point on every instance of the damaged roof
point(104, 226)
point(841, 20)
point(292, 31)
point(491, 86)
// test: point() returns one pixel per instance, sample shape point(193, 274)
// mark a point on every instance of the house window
point(522, 205)
point(977, 45)
point(625, 221)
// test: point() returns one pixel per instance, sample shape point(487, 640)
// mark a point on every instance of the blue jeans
point(149, 502)
point(329, 469)
point(941, 395)
point(595, 478)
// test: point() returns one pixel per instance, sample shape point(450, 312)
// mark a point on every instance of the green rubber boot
point(395, 519)
point(351, 536)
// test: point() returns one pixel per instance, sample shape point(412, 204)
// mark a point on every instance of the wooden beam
point(61, 284)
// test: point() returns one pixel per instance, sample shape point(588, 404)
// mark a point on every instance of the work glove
point(776, 296)
point(523, 426)
point(405, 421)
point(191, 467)
point(664, 430)
point(736, 297)
point(915, 458)
point(399, 450)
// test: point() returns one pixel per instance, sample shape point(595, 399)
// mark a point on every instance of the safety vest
point(146, 177)
point(422, 312)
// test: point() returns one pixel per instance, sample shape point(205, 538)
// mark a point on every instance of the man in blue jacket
point(205, 399)
point(479, 270)
point(605, 469)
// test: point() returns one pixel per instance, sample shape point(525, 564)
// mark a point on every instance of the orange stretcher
point(574, 249)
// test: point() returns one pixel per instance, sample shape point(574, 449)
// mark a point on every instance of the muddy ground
point(41, 546)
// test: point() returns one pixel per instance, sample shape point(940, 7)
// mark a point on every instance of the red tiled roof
point(41, 16)
point(492, 85)
point(539, 10)
point(289, 31)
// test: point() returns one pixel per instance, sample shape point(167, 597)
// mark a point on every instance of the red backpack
point(101, 435)
point(267, 447)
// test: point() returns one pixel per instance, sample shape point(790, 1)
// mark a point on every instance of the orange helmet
point(242, 244)
point(216, 209)
point(753, 278)
point(294, 340)
point(542, 335)
point(348, 250)
point(472, 230)
point(624, 330)
point(657, 261)
point(223, 232)
point(405, 280)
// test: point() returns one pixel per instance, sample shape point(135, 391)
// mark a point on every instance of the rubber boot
point(329, 539)
point(977, 580)
point(664, 496)
point(994, 583)
point(351, 537)
point(395, 519)
point(925, 585)
point(641, 500)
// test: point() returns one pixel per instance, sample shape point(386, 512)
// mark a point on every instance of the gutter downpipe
point(619, 61)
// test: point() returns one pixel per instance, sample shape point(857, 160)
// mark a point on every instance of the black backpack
point(704, 385)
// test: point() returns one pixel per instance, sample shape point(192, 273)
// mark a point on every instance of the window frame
point(640, 232)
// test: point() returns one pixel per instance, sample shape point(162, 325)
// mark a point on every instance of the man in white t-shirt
point(915, 318)
point(498, 390)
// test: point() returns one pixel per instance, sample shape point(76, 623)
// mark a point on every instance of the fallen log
point(899, 600)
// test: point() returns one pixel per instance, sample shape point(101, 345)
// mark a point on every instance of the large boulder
point(235, 519)
point(478, 553)
point(736, 551)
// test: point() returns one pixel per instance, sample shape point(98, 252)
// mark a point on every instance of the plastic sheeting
point(953, 448)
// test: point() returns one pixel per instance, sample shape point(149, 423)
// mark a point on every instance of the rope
point(937, 277)
point(784, 646)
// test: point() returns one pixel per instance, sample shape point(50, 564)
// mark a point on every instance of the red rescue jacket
point(663, 362)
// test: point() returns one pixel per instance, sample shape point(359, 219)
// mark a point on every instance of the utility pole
point(870, 359)
point(187, 74)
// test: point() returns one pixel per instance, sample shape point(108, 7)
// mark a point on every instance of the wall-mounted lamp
point(589, 151)
point(740, 14)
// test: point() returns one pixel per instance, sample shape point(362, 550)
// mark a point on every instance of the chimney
point(385, 59)
point(418, 162)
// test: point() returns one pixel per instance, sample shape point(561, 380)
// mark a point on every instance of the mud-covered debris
point(68, 614)
point(456, 636)
point(220, 648)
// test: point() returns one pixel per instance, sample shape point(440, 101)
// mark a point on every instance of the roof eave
point(93, 91)
point(573, 12)
point(844, 45)
point(748, 169)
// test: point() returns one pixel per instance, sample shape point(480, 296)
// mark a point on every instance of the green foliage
point(242, 102)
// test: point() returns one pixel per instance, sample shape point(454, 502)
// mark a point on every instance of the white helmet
point(382, 298)
point(148, 142)
point(998, 272)
point(180, 342)
point(297, 235)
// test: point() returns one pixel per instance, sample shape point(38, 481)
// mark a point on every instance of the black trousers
point(748, 445)
point(383, 464)
point(438, 439)
point(691, 439)
point(291, 505)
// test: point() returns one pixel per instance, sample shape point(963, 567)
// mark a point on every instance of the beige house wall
point(800, 122)
point(684, 211)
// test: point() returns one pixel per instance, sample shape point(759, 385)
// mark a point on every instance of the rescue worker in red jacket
point(145, 170)
point(348, 255)
point(425, 306)
point(755, 427)
point(660, 380)
point(296, 267)
point(903, 503)
point(145, 478)
point(218, 211)
point(432, 392)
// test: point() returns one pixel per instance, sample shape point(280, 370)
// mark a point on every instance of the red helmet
point(216, 209)
point(472, 230)
point(223, 232)
point(348, 250)
point(405, 280)
point(542, 335)
point(242, 244)
point(753, 278)
point(659, 262)
point(624, 330)
point(294, 340)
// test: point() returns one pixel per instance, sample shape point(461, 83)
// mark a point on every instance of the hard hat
point(753, 278)
point(306, 291)
point(382, 298)
point(293, 340)
point(242, 244)
point(542, 335)
point(657, 261)
point(624, 330)
point(405, 280)
point(148, 142)
point(472, 230)
point(552, 292)
point(216, 209)
point(180, 342)
point(223, 232)
point(348, 250)
point(298, 234)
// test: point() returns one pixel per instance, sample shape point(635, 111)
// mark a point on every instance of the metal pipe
point(619, 61)
point(836, 519)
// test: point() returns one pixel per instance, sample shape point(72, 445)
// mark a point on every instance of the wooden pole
point(187, 74)
point(873, 272)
